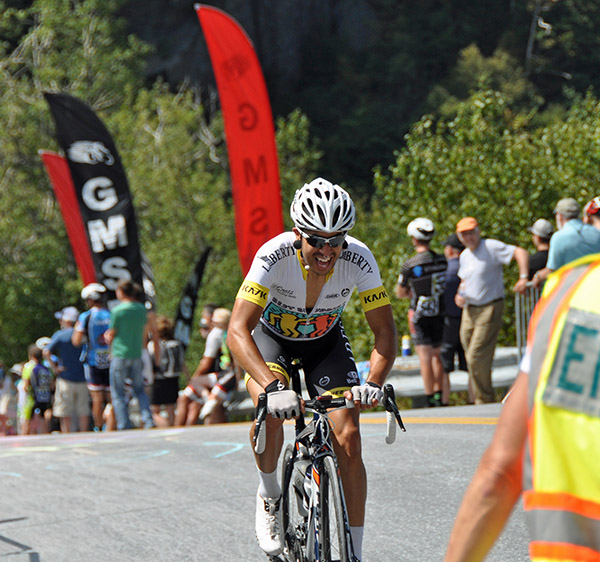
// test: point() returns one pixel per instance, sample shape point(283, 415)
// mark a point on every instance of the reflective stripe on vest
point(561, 474)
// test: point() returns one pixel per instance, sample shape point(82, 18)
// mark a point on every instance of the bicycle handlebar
point(321, 404)
point(392, 413)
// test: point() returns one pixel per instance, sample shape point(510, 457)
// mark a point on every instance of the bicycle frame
point(309, 467)
point(307, 463)
point(312, 446)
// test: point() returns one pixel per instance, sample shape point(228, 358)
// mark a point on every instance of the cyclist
point(423, 280)
point(289, 307)
point(89, 332)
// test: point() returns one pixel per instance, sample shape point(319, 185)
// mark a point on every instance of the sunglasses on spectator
point(320, 241)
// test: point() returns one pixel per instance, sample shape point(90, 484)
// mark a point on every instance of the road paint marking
point(234, 447)
point(448, 421)
point(117, 458)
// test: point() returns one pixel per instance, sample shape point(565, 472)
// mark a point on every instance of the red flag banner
point(249, 130)
point(60, 177)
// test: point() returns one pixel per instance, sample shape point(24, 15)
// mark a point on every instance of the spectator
point(192, 399)
point(8, 400)
point(541, 232)
point(39, 384)
point(481, 296)
point(220, 384)
point(53, 421)
point(89, 332)
point(422, 279)
point(573, 240)
point(129, 325)
point(165, 387)
point(206, 320)
point(546, 444)
point(451, 346)
point(591, 212)
point(71, 396)
point(25, 399)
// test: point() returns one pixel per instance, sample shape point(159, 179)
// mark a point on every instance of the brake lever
point(392, 412)
point(260, 437)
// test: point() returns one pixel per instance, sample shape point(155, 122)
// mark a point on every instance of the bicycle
point(315, 520)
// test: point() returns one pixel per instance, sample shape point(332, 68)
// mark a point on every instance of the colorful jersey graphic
point(277, 282)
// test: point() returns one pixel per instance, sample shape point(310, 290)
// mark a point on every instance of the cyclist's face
point(319, 260)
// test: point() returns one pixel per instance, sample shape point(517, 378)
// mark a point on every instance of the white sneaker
point(268, 525)
point(208, 408)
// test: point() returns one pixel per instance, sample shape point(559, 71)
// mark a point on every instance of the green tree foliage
point(483, 163)
point(499, 72)
point(173, 153)
point(362, 103)
point(565, 45)
point(50, 44)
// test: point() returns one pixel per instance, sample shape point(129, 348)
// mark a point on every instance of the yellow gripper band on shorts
point(276, 368)
point(374, 298)
point(253, 292)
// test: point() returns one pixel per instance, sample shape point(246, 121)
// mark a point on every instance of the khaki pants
point(479, 329)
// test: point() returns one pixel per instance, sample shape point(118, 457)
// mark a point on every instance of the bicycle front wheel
point(333, 527)
point(295, 519)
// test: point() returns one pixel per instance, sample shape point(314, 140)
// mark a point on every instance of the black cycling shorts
point(97, 379)
point(428, 330)
point(327, 362)
point(165, 391)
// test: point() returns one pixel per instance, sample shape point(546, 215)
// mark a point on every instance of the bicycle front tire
point(294, 531)
point(333, 539)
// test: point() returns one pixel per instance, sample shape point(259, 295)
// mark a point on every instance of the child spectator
point(39, 383)
point(8, 400)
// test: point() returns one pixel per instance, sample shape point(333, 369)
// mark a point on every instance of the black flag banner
point(184, 318)
point(149, 283)
point(102, 190)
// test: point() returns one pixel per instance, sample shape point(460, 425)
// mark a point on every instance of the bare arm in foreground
point(496, 485)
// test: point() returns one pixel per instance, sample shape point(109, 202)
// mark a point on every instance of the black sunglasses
point(320, 241)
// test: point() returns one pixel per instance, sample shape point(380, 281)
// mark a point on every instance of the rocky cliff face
point(281, 30)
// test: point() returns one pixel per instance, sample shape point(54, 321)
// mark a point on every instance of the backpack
point(171, 358)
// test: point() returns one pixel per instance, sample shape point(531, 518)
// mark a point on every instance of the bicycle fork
point(311, 501)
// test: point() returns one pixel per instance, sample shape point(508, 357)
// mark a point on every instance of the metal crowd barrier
point(524, 305)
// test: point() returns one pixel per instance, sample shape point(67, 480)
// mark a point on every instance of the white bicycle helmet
point(93, 291)
point(322, 206)
point(421, 229)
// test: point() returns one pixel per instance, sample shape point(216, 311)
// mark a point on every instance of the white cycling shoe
point(208, 408)
point(268, 525)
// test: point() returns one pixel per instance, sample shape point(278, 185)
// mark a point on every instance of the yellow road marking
point(457, 421)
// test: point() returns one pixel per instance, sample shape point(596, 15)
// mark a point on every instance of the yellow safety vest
point(561, 478)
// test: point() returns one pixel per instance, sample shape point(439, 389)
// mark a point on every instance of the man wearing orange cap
point(481, 296)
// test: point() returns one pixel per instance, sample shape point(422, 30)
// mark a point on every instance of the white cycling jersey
point(277, 282)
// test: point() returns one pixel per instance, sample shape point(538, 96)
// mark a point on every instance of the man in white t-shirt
point(481, 296)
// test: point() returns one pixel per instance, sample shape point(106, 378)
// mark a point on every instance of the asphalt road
point(188, 494)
